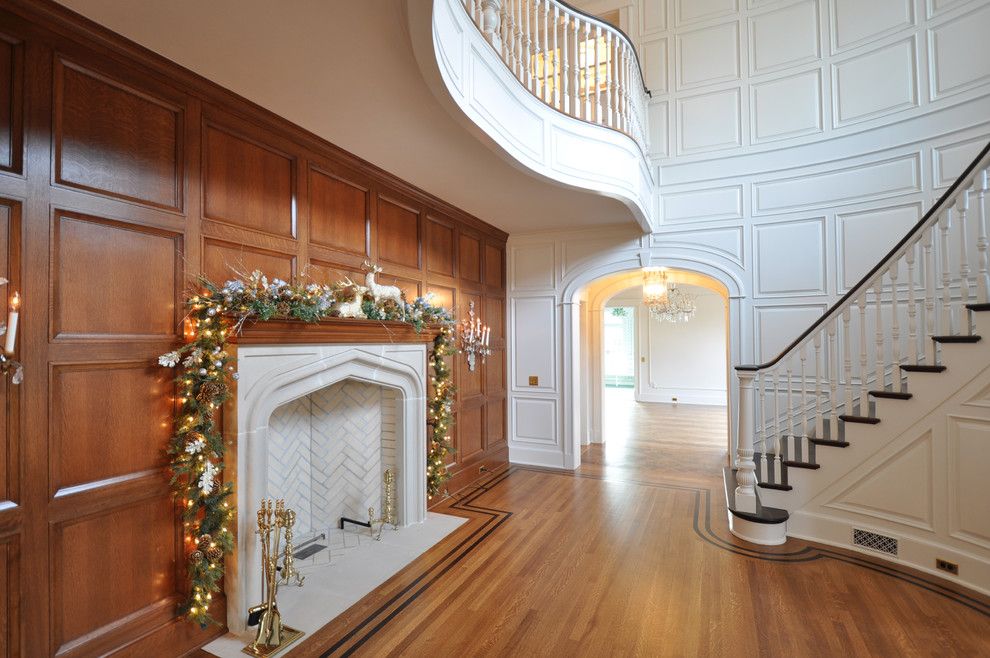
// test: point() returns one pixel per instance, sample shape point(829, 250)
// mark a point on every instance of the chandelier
point(666, 302)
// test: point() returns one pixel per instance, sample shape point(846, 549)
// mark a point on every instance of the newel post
point(745, 467)
point(491, 15)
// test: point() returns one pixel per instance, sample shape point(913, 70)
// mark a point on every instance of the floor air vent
point(875, 541)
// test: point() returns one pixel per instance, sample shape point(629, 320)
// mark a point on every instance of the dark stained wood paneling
point(494, 272)
point(470, 434)
point(116, 140)
point(111, 278)
point(398, 233)
point(9, 595)
point(442, 296)
point(97, 410)
point(111, 565)
point(11, 105)
point(410, 287)
point(439, 247)
point(9, 235)
point(324, 272)
point(339, 216)
point(495, 424)
point(224, 260)
point(247, 184)
point(469, 258)
point(469, 383)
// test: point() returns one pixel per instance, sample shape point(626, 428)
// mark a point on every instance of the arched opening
point(680, 372)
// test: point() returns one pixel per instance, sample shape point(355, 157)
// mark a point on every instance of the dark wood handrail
point(934, 210)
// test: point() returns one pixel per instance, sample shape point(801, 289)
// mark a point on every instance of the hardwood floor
point(630, 556)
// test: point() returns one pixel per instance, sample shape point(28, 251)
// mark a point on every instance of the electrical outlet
point(945, 565)
point(534, 380)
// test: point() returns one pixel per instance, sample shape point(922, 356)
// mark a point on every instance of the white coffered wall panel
point(784, 37)
point(855, 22)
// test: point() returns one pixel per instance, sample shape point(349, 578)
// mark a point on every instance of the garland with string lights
point(196, 451)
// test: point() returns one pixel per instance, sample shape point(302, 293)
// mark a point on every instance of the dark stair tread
point(922, 368)
point(891, 395)
point(867, 420)
point(830, 442)
point(775, 487)
point(794, 464)
point(978, 307)
point(956, 339)
point(763, 514)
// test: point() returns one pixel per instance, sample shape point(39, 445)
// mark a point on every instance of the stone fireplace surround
point(273, 370)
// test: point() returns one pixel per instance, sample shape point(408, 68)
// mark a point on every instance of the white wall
point(786, 192)
point(683, 361)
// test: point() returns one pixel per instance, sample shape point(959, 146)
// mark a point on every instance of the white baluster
point(962, 209)
point(491, 13)
point(880, 377)
point(778, 465)
point(982, 244)
point(745, 476)
point(556, 57)
point(895, 329)
point(760, 415)
point(608, 78)
point(945, 223)
point(847, 363)
point(929, 293)
point(568, 105)
point(819, 373)
point(803, 411)
point(912, 304)
point(547, 91)
point(528, 60)
point(586, 100)
point(777, 427)
point(792, 417)
point(596, 100)
point(833, 376)
point(864, 390)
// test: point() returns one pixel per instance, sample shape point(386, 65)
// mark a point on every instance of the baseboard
point(685, 396)
point(537, 457)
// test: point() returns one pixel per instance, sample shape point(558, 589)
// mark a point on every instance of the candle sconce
point(475, 338)
point(9, 366)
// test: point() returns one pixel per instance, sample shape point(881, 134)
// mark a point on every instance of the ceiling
point(345, 70)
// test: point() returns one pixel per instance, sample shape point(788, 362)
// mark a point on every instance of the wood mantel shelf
point(331, 330)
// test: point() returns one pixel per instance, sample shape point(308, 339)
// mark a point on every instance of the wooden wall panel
point(223, 260)
point(116, 140)
point(409, 286)
point(97, 409)
point(469, 258)
point(142, 177)
point(112, 278)
point(110, 565)
point(247, 184)
point(398, 233)
point(439, 247)
point(339, 213)
point(11, 104)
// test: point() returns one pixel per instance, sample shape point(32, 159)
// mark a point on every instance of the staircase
point(887, 358)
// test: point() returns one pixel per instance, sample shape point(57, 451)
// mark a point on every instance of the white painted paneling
point(875, 83)
point(959, 52)
point(865, 236)
point(701, 205)
point(658, 113)
point(707, 55)
point(653, 59)
point(709, 121)
point(535, 420)
point(787, 106)
point(784, 37)
point(652, 17)
point(790, 258)
point(491, 98)
point(690, 11)
point(969, 461)
point(727, 242)
point(872, 180)
point(855, 22)
point(534, 324)
point(532, 266)
point(949, 161)
point(777, 326)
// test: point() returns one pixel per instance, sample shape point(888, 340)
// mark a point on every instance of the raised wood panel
point(495, 424)
point(410, 287)
point(10, 213)
point(224, 260)
point(339, 213)
point(442, 296)
point(324, 272)
point(469, 258)
point(470, 435)
point(247, 184)
point(116, 140)
point(96, 412)
point(495, 373)
point(9, 596)
point(113, 279)
point(439, 247)
point(108, 566)
point(495, 318)
point(11, 105)
point(398, 233)
point(494, 272)
point(469, 383)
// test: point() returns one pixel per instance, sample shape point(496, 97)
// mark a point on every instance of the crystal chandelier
point(667, 303)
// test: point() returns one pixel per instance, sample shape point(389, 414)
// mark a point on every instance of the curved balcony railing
point(575, 63)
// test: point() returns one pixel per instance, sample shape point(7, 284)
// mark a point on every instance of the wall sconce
point(474, 338)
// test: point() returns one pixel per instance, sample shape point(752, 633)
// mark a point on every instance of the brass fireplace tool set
point(273, 635)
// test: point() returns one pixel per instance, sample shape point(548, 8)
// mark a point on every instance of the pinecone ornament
point(210, 391)
point(196, 556)
point(204, 542)
point(214, 554)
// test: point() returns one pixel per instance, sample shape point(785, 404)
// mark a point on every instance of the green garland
point(197, 452)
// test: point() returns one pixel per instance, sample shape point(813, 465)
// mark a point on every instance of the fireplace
point(316, 424)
